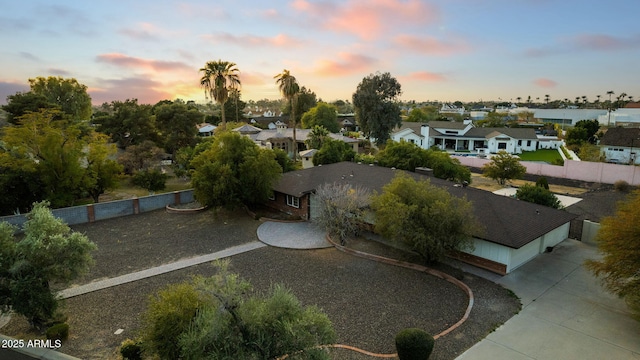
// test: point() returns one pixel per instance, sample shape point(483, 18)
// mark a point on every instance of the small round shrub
point(542, 182)
point(414, 344)
point(621, 186)
point(131, 350)
point(58, 332)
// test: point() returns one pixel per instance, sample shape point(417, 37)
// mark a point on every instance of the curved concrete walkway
point(292, 235)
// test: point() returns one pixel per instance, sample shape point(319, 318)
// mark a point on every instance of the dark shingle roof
point(619, 136)
point(506, 221)
point(516, 133)
point(454, 125)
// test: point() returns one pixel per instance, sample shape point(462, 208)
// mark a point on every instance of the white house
point(463, 136)
point(621, 145)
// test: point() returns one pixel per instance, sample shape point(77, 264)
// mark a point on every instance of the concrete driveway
point(566, 314)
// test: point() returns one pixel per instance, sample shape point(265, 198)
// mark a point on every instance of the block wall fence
point(110, 209)
point(597, 172)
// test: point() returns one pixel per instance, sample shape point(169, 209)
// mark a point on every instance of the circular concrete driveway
point(297, 235)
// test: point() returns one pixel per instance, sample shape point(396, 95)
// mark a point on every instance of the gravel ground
point(368, 302)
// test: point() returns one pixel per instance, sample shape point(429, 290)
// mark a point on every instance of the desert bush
point(414, 344)
point(58, 332)
point(131, 350)
point(621, 186)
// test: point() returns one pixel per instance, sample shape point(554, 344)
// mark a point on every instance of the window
point(519, 142)
point(502, 145)
point(528, 142)
point(293, 201)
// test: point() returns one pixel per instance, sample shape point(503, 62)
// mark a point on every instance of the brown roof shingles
point(506, 221)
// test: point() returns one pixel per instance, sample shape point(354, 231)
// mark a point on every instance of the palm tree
point(289, 88)
point(218, 78)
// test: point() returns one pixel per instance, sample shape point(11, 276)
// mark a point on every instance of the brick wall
point(280, 204)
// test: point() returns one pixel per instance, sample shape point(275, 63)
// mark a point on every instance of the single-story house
point(205, 129)
point(514, 231)
point(621, 145)
point(463, 136)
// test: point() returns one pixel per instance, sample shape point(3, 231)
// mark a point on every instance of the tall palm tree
point(218, 78)
point(288, 86)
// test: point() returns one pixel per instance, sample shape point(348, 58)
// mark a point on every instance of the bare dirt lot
point(368, 302)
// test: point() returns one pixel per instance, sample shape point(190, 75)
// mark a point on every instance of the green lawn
point(547, 155)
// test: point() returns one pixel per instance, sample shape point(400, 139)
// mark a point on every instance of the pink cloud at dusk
point(145, 90)
point(252, 78)
point(431, 46)
point(425, 76)
point(279, 40)
point(346, 64)
point(545, 83)
point(133, 62)
point(144, 31)
point(368, 19)
point(603, 42)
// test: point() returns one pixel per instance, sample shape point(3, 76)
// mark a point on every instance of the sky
point(448, 50)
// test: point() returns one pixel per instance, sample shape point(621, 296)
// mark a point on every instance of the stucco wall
point(576, 170)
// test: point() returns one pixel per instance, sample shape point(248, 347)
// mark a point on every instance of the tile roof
point(454, 125)
point(507, 221)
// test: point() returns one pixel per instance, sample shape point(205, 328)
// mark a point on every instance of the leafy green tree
point(590, 152)
point(493, 119)
point(343, 106)
point(48, 252)
point(324, 115)
point(408, 156)
point(285, 162)
point(424, 217)
point(538, 195)
point(288, 86)
point(375, 102)
point(150, 179)
point(576, 136)
point(68, 95)
point(234, 107)
point(333, 151)
point(305, 101)
point(53, 150)
point(218, 79)
point(591, 127)
point(242, 324)
point(128, 123)
point(21, 187)
point(101, 170)
point(234, 171)
point(504, 167)
point(417, 115)
point(21, 103)
point(140, 157)
point(317, 136)
point(177, 125)
point(619, 243)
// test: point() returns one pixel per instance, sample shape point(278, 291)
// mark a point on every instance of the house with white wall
point(621, 145)
point(463, 136)
point(512, 231)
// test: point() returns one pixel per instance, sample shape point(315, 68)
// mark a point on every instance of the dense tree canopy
point(49, 251)
point(333, 151)
point(234, 171)
point(316, 137)
point(57, 161)
point(426, 218)
point(619, 243)
point(324, 115)
point(127, 122)
point(176, 123)
point(21, 103)
point(68, 94)
point(503, 167)
point(375, 102)
point(408, 156)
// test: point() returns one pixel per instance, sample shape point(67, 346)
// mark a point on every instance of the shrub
point(542, 182)
point(414, 344)
point(621, 186)
point(150, 179)
point(131, 350)
point(58, 332)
